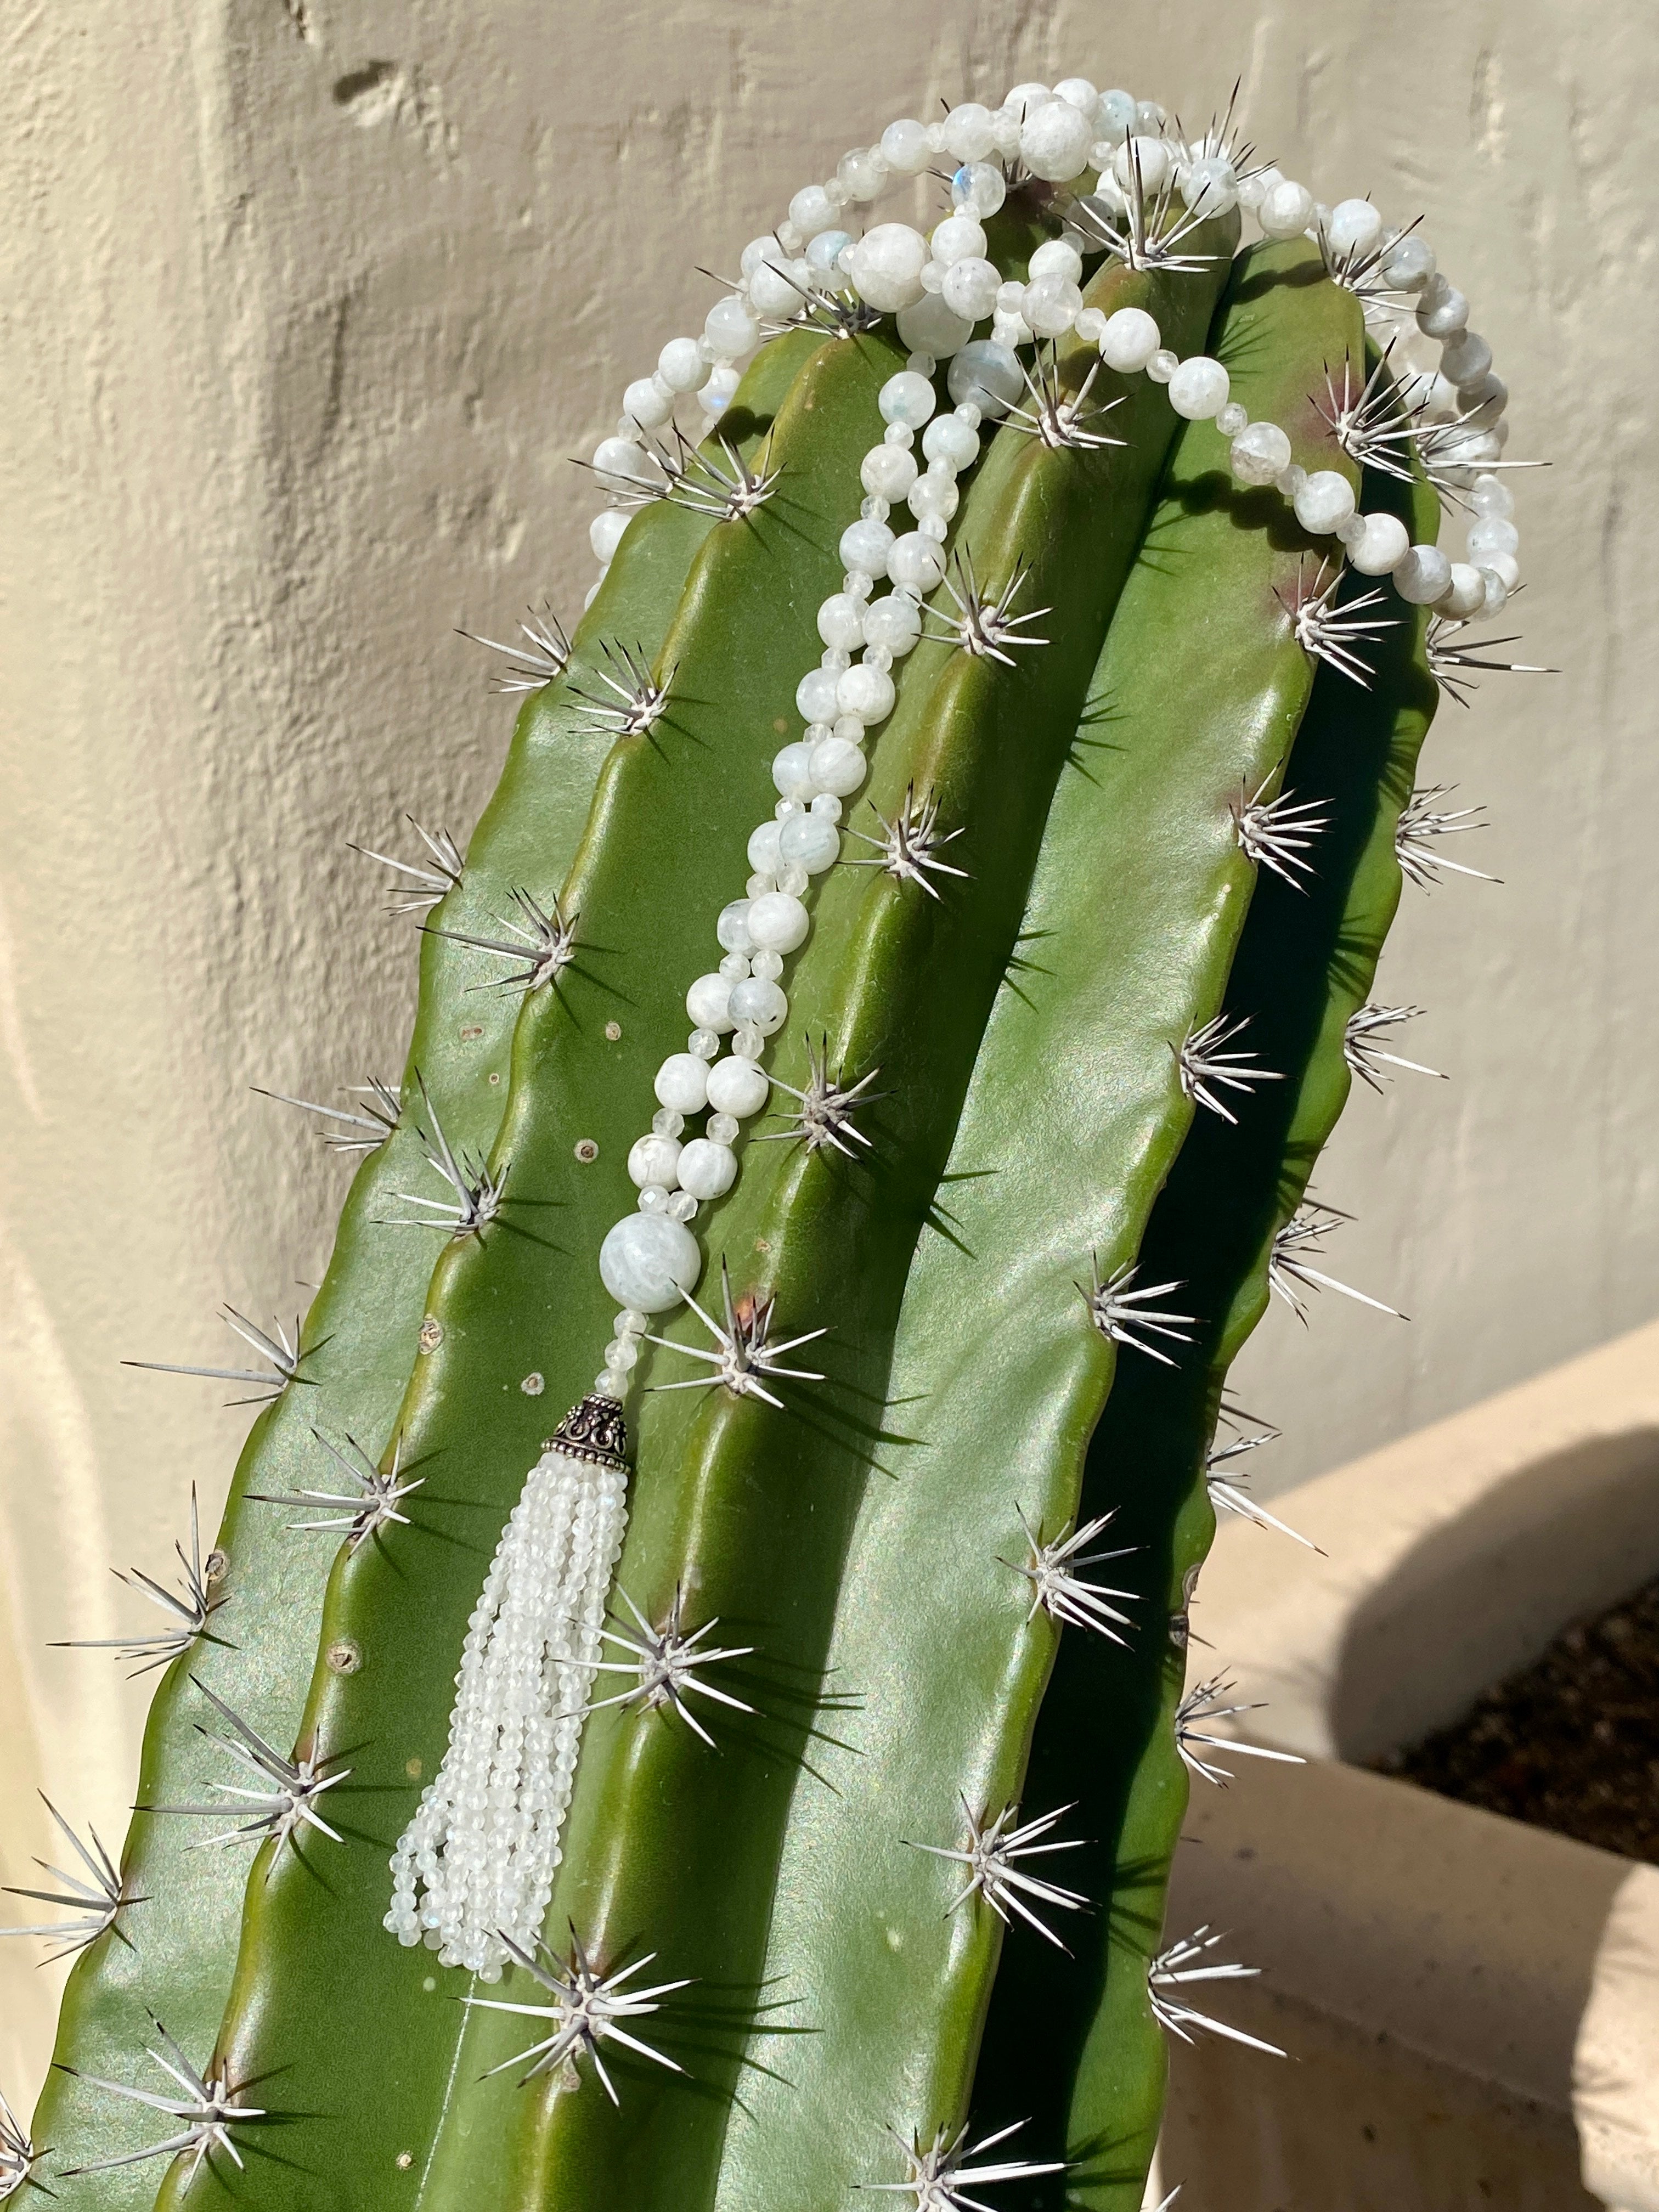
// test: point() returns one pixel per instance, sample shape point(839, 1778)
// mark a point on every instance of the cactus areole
point(687, 1708)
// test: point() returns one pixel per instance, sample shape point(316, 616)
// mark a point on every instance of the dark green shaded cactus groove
point(881, 1856)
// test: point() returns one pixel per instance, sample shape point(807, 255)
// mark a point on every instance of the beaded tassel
point(474, 1870)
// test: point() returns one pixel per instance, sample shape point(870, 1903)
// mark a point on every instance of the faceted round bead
point(1055, 141)
point(863, 547)
point(708, 1002)
point(649, 1262)
point(947, 438)
point(707, 1170)
point(682, 1082)
point(681, 366)
point(1286, 210)
point(1423, 576)
point(1382, 548)
point(737, 1087)
point(916, 562)
point(888, 471)
point(665, 1122)
point(654, 1159)
point(778, 922)
point(986, 375)
point(837, 767)
point(604, 532)
point(761, 1005)
point(1129, 340)
point(905, 148)
point(769, 964)
point(1443, 311)
point(810, 841)
point(1354, 229)
point(1162, 365)
point(1232, 419)
point(885, 266)
point(1199, 388)
point(893, 624)
point(1259, 453)
point(1325, 501)
point(1491, 497)
point(1116, 114)
point(1210, 187)
point(864, 691)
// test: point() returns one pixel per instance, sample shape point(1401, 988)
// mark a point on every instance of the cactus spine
point(864, 1645)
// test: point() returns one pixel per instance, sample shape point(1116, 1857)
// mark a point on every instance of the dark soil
point(1571, 1743)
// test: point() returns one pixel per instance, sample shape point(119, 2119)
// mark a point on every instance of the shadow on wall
point(1484, 1593)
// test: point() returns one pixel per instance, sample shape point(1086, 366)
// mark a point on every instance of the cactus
point(790, 1813)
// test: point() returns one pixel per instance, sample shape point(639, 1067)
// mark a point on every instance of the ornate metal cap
point(593, 1430)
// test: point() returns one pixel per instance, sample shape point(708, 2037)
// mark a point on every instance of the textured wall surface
point(307, 302)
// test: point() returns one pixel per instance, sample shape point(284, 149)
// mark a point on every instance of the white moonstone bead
point(707, 1170)
point(891, 625)
point(1286, 210)
point(885, 266)
point(737, 1086)
point(948, 438)
point(1492, 533)
point(1050, 305)
point(1199, 388)
point(1466, 358)
point(1443, 311)
point(1154, 158)
point(649, 1262)
point(730, 328)
point(708, 1001)
point(1467, 594)
point(810, 841)
point(1383, 546)
point(776, 291)
point(906, 398)
point(969, 134)
point(654, 1159)
point(864, 691)
point(915, 562)
point(1324, 502)
point(778, 922)
point(1129, 340)
point(904, 147)
point(958, 238)
point(1355, 228)
point(928, 325)
point(761, 1005)
point(812, 210)
point(683, 1083)
point(814, 695)
point(604, 532)
point(732, 927)
point(1210, 187)
point(1408, 263)
point(681, 365)
point(837, 767)
point(824, 252)
point(864, 548)
point(642, 403)
point(1055, 141)
point(1260, 454)
point(790, 772)
point(935, 494)
point(970, 287)
point(1497, 590)
point(1489, 497)
point(888, 472)
point(1054, 257)
point(841, 619)
point(986, 375)
point(1116, 114)
point(1423, 576)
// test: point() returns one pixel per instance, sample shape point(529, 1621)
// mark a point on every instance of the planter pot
point(1472, 2004)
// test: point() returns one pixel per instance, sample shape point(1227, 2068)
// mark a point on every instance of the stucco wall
point(306, 302)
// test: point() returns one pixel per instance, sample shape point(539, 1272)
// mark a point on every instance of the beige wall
point(307, 301)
